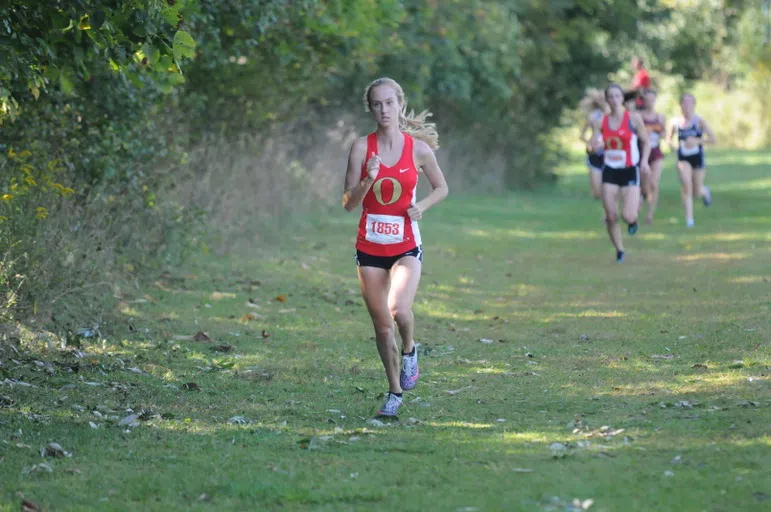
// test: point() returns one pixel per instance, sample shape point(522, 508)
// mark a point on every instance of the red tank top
point(621, 148)
point(385, 229)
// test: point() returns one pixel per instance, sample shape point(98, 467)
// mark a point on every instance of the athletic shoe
point(689, 223)
point(707, 196)
point(391, 405)
point(632, 229)
point(410, 372)
point(619, 256)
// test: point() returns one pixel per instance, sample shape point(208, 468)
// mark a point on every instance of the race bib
point(654, 139)
point(385, 229)
point(615, 158)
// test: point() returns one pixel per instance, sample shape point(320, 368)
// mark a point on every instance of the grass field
point(640, 386)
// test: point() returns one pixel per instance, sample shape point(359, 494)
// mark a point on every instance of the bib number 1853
point(385, 229)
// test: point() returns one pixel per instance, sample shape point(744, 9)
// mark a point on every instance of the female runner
point(691, 130)
point(621, 130)
point(382, 176)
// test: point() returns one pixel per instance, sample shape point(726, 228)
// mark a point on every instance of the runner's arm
point(356, 188)
point(583, 133)
point(706, 130)
point(663, 122)
point(671, 134)
point(642, 134)
point(426, 160)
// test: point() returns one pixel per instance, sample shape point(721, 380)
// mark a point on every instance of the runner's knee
point(401, 314)
point(384, 327)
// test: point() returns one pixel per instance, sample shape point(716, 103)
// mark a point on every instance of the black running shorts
point(367, 260)
point(595, 161)
point(623, 177)
point(696, 161)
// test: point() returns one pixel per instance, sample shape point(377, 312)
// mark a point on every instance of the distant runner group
point(623, 135)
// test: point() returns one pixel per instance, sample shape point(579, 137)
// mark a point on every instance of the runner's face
point(615, 98)
point(687, 104)
point(384, 105)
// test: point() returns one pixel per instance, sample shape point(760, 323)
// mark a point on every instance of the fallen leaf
point(204, 497)
point(582, 505)
point(191, 386)
point(584, 338)
point(285, 311)
point(748, 403)
point(456, 391)
point(558, 450)
point(40, 468)
point(256, 375)
point(248, 317)
point(54, 450)
point(7, 401)
point(222, 295)
point(486, 341)
point(669, 472)
point(131, 421)
point(280, 298)
point(29, 506)
point(74, 471)
point(201, 336)
point(223, 348)
point(522, 470)
point(93, 425)
point(760, 496)
point(265, 334)
point(238, 420)
point(375, 423)
point(182, 337)
point(700, 366)
point(664, 356)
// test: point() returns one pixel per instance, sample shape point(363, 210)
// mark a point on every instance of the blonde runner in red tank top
point(385, 229)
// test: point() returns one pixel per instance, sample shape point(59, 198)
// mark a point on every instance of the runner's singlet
point(693, 130)
point(621, 150)
point(655, 129)
point(385, 229)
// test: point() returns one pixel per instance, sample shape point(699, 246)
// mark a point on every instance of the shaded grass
point(609, 346)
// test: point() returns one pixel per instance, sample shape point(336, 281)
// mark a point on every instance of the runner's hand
point(415, 212)
point(645, 168)
point(373, 166)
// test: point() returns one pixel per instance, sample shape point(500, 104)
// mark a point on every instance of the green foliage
point(66, 44)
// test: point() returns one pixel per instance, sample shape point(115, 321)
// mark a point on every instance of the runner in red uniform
point(621, 170)
point(656, 124)
point(382, 175)
point(641, 81)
